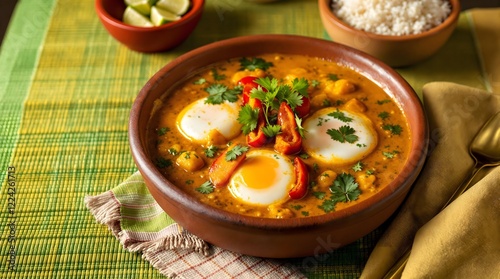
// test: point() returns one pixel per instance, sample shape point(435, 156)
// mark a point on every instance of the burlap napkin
point(140, 225)
point(462, 241)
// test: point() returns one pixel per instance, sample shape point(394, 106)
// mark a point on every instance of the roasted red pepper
point(257, 138)
point(289, 140)
point(248, 83)
point(221, 169)
point(299, 190)
point(303, 109)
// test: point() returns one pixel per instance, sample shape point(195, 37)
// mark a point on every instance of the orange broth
point(372, 173)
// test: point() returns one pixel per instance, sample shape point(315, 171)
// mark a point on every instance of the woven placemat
point(66, 88)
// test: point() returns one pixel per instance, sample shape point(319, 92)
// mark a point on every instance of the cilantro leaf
point(383, 115)
point(328, 205)
point(162, 131)
point(200, 81)
point(163, 163)
point(216, 75)
point(345, 188)
point(319, 195)
point(358, 166)
point(333, 77)
point(254, 63)
point(390, 155)
point(206, 188)
point(343, 134)
point(394, 129)
point(301, 129)
point(300, 86)
point(211, 151)
point(218, 93)
point(340, 116)
point(271, 130)
point(249, 118)
point(236, 151)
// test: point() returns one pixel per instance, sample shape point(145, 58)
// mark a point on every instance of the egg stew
point(279, 136)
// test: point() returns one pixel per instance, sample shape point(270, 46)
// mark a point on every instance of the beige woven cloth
point(462, 241)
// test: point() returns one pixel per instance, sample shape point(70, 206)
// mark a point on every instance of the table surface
point(66, 88)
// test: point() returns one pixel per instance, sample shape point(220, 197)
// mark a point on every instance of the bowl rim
point(195, 9)
point(374, 203)
point(324, 6)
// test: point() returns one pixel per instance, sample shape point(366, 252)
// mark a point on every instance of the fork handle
point(397, 269)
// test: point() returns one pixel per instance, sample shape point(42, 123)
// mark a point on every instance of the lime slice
point(178, 7)
point(133, 17)
point(160, 16)
point(142, 6)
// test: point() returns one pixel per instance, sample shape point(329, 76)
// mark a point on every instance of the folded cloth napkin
point(140, 224)
point(463, 240)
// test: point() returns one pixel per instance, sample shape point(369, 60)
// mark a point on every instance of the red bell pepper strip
point(302, 179)
point(248, 83)
point(303, 109)
point(221, 170)
point(289, 140)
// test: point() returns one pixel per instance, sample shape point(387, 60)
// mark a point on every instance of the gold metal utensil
point(485, 150)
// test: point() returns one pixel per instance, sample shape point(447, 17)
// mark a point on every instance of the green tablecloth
point(66, 88)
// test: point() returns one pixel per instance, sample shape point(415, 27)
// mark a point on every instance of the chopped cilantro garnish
point(216, 75)
point(358, 166)
point(218, 93)
point(254, 63)
point(189, 181)
point(343, 134)
point(333, 77)
point(173, 151)
point(381, 102)
point(206, 188)
point(345, 188)
point(301, 129)
point(296, 206)
point(390, 155)
point(340, 116)
point(384, 115)
point(304, 213)
point(200, 81)
point(211, 151)
point(394, 129)
point(319, 195)
point(236, 151)
point(163, 163)
point(328, 205)
point(314, 83)
point(162, 131)
point(304, 155)
point(326, 103)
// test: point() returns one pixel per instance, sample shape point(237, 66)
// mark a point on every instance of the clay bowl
point(147, 39)
point(276, 238)
point(395, 51)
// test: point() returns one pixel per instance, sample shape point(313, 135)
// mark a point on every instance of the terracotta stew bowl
point(276, 238)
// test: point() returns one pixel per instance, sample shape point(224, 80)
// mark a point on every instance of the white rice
point(392, 17)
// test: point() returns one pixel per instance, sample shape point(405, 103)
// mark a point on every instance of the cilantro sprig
point(340, 116)
point(344, 189)
point(343, 134)
point(206, 188)
point(218, 93)
point(254, 63)
point(236, 151)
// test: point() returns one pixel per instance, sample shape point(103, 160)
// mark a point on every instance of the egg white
point(264, 178)
point(321, 146)
point(197, 120)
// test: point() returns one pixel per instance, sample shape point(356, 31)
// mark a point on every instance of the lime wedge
point(178, 7)
point(142, 6)
point(133, 17)
point(160, 16)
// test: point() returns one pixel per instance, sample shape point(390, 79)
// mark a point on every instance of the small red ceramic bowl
point(395, 51)
point(265, 237)
point(147, 39)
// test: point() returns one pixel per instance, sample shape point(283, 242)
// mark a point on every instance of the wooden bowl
point(147, 39)
point(395, 51)
point(276, 238)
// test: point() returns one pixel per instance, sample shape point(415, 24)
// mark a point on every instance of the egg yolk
point(259, 172)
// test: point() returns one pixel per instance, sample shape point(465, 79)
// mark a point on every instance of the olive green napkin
point(462, 241)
